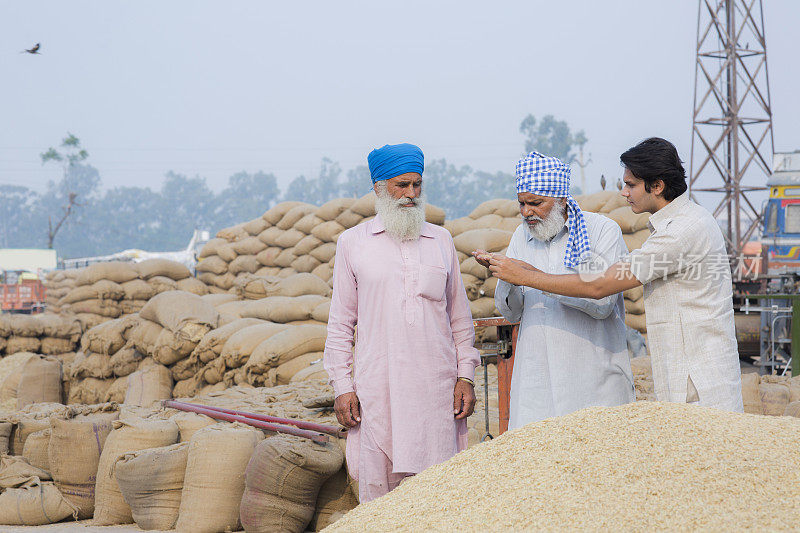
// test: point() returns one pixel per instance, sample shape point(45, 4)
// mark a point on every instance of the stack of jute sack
point(165, 469)
point(290, 238)
point(47, 333)
point(57, 284)
point(104, 291)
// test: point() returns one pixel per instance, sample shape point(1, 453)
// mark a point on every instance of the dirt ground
point(83, 526)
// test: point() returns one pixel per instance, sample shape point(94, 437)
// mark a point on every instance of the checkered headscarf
point(549, 176)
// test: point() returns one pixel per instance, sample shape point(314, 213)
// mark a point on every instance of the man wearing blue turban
point(406, 389)
point(571, 352)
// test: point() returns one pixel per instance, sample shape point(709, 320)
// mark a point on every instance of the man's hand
point(510, 270)
point(346, 408)
point(482, 257)
point(463, 399)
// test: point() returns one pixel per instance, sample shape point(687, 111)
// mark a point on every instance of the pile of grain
point(290, 238)
point(642, 466)
point(104, 291)
point(46, 333)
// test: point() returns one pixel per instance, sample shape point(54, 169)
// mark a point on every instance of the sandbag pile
point(46, 333)
point(104, 291)
point(290, 238)
point(57, 284)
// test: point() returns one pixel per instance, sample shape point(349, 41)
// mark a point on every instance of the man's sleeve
point(668, 250)
point(338, 356)
point(609, 248)
point(460, 315)
point(509, 298)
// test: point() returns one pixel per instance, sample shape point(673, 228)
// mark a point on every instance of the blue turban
point(549, 176)
point(394, 159)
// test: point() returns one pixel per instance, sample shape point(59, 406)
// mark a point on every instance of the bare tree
point(71, 155)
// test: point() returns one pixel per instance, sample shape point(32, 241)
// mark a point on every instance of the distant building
point(27, 259)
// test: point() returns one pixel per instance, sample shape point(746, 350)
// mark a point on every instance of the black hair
point(657, 159)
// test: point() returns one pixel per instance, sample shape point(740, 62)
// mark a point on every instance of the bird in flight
point(34, 50)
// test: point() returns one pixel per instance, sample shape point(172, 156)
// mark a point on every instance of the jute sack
point(106, 308)
point(113, 271)
point(125, 361)
point(488, 239)
point(289, 238)
point(54, 346)
point(22, 325)
point(275, 214)
point(321, 312)
point(282, 482)
point(774, 397)
point(285, 258)
point(313, 372)
point(213, 371)
point(190, 423)
point(60, 327)
point(138, 289)
point(213, 264)
point(218, 299)
point(162, 267)
point(237, 349)
point(282, 309)
point(210, 248)
point(255, 226)
point(116, 392)
point(333, 208)
point(472, 267)
point(24, 427)
point(751, 396)
point(324, 252)
point(35, 504)
point(127, 436)
point(35, 449)
point(161, 284)
point(5, 436)
point(184, 368)
point(628, 221)
point(16, 344)
point(637, 322)
point(270, 236)
point(488, 207)
point(792, 409)
point(74, 454)
point(268, 256)
point(193, 285)
point(183, 313)
point(214, 480)
point(328, 231)
point(634, 308)
point(100, 290)
point(244, 264)
point(306, 244)
point(151, 481)
point(143, 335)
point(17, 471)
point(348, 219)
point(336, 498)
point(635, 241)
point(482, 308)
point(172, 347)
point(294, 214)
point(186, 388)
point(89, 390)
point(234, 233)
point(210, 347)
point(284, 347)
point(149, 385)
point(40, 381)
point(91, 365)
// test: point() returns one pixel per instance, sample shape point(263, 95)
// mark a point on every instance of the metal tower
point(732, 120)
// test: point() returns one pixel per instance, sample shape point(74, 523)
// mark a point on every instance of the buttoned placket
point(409, 256)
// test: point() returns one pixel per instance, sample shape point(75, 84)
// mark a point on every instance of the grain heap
point(47, 333)
point(290, 238)
point(642, 466)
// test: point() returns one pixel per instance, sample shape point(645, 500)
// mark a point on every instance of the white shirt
point(571, 352)
point(688, 302)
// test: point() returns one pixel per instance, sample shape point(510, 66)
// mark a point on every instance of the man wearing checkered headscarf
point(571, 352)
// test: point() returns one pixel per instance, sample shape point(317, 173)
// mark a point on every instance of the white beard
point(402, 223)
point(545, 230)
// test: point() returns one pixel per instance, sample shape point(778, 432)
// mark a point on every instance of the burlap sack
point(210, 347)
point(16, 344)
point(333, 208)
point(483, 308)
point(289, 238)
point(792, 409)
point(186, 388)
point(161, 284)
point(193, 285)
point(171, 347)
point(491, 240)
point(106, 308)
point(112, 271)
point(40, 381)
point(349, 218)
point(324, 272)
point(214, 480)
point(774, 397)
point(213, 371)
point(17, 472)
point(150, 268)
point(244, 263)
point(53, 345)
point(637, 322)
point(127, 436)
point(296, 285)
point(190, 423)
point(212, 264)
point(270, 236)
point(234, 233)
point(628, 221)
point(324, 252)
point(276, 213)
point(35, 449)
point(60, 327)
point(116, 392)
point(305, 264)
point(472, 267)
point(184, 368)
point(307, 244)
point(210, 248)
point(248, 246)
point(635, 241)
point(125, 361)
point(91, 365)
point(282, 482)
point(488, 207)
point(151, 481)
point(336, 497)
point(35, 504)
point(634, 308)
point(328, 231)
point(321, 312)
point(255, 226)
point(74, 454)
point(182, 313)
point(237, 348)
point(313, 372)
point(108, 337)
point(25, 426)
point(5, 436)
point(143, 335)
point(282, 309)
point(88, 390)
point(283, 347)
point(286, 371)
point(226, 252)
point(149, 385)
point(294, 214)
point(285, 258)
point(100, 290)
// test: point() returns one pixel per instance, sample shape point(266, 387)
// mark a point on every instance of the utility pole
point(583, 164)
point(732, 120)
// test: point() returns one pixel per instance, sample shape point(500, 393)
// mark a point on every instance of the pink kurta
point(415, 337)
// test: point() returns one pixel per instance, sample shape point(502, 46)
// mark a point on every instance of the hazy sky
point(212, 88)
